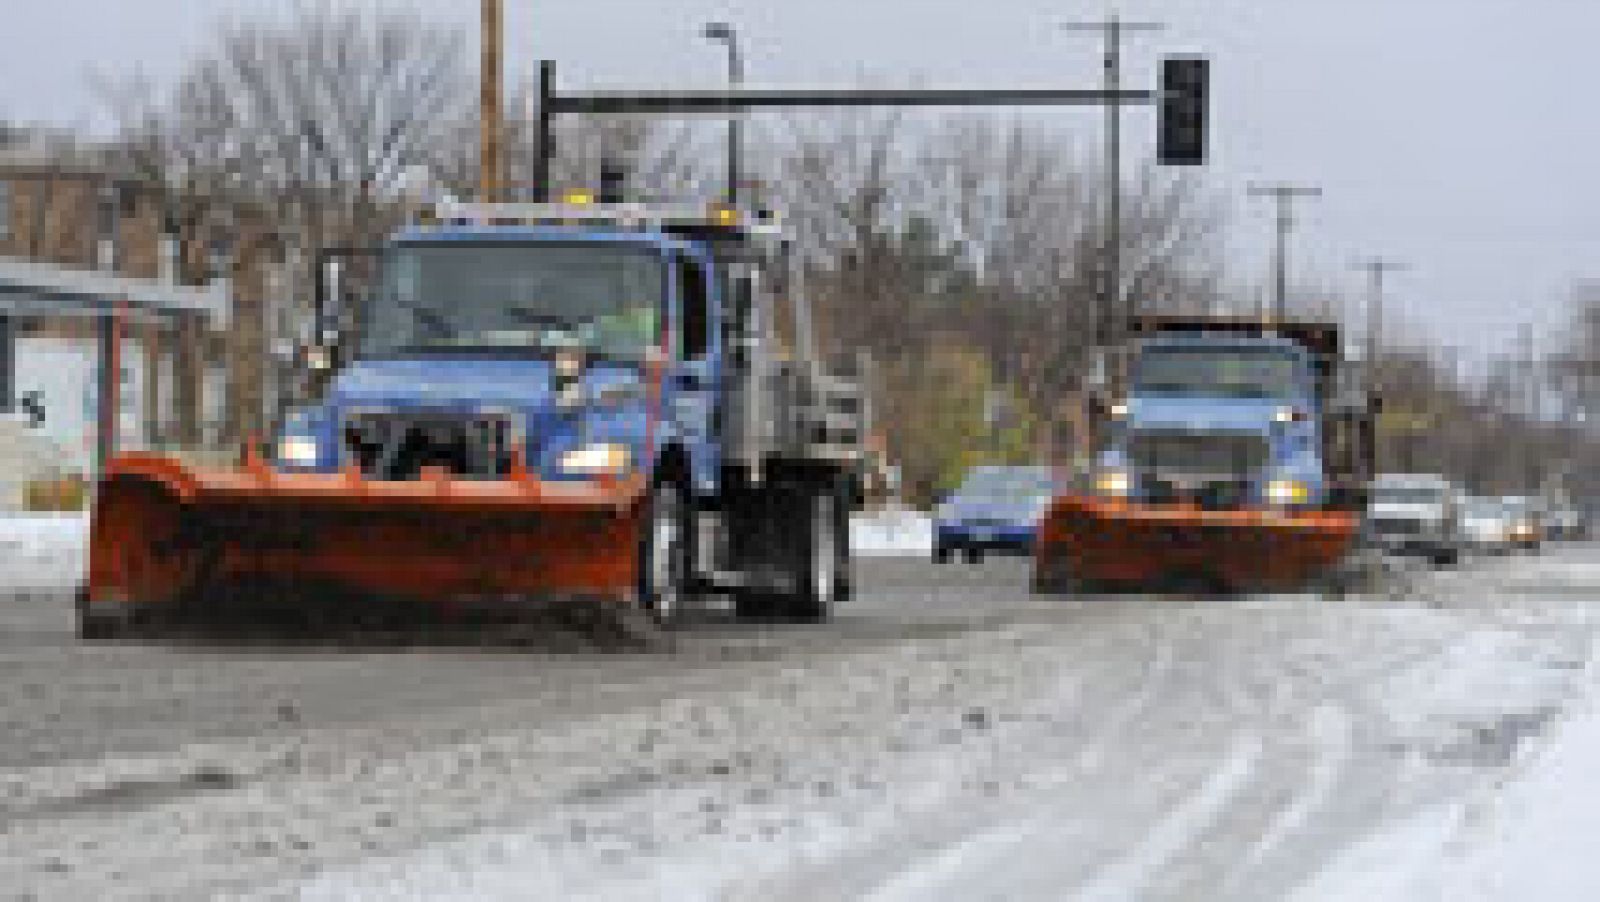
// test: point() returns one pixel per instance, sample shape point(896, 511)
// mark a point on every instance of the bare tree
point(322, 111)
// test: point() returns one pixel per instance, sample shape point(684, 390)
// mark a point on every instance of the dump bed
point(1321, 339)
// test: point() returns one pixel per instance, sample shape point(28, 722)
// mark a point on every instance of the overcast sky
point(1455, 134)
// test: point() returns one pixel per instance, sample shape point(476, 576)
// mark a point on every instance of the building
point(89, 252)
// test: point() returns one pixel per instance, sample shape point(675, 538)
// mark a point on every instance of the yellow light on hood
point(1113, 482)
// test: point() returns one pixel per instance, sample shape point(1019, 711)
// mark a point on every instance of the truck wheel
point(1052, 579)
point(666, 555)
point(974, 555)
point(844, 560)
point(99, 626)
point(941, 554)
point(814, 557)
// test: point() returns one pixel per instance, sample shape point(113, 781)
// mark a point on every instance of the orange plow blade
point(1108, 542)
point(163, 533)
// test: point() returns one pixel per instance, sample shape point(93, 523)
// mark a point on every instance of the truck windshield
point(603, 298)
point(1211, 371)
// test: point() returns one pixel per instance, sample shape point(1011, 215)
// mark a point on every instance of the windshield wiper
point(537, 318)
point(433, 319)
point(1250, 391)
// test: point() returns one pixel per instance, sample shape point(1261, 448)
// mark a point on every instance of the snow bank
point(892, 532)
point(1530, 828)
point(42, 550)
point(1536, 836)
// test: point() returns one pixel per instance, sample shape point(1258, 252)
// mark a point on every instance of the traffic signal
point(1181, 138)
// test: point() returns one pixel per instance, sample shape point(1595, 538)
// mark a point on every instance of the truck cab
point(1216, 420)
point(583, 351)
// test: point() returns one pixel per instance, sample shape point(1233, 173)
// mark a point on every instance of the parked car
point(995, 509)
point(1486, 525)
point(1416, 513)
point(1527, 521)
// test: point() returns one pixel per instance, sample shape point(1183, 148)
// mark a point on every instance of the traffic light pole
point(1113, 30)
point(741, 99)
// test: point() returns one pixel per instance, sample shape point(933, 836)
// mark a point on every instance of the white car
point(1416, 514)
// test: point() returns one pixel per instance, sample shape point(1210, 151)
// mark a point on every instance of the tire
point(1052, 579)
point(99, 626)
point(812, 556)
point(941, 554)
point(1444, 557)
point(974, 556)
point(666, 555)
point(844, 561)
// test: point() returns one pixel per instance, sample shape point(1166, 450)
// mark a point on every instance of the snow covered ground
point(42, 551)
point(1528, 828)
point(892, 532)
point(1531, 832)
point(947, 736)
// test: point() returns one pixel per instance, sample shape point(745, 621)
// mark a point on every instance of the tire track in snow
point(1174, 832)
point(1329, 734)
point(1157, 672)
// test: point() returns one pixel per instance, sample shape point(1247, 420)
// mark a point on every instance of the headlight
point(1287, 491)
point(1288, 415)
point(298, 451)
point(598, 458)
point(1113, 482)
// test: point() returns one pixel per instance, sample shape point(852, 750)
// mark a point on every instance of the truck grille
point(1210, 494)
point(1184, 452)
point(396, 445)
point(1396, 526)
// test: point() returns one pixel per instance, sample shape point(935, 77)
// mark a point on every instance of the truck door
point(695, 391)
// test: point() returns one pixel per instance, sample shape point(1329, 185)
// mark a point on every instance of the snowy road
point(947, 737)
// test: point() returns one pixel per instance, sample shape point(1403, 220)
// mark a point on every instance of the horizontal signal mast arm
point(757, 98)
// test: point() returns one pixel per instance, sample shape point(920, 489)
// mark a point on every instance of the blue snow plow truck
point(1230, 453)
point(603, 402)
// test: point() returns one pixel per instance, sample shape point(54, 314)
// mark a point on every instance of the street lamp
point(724, 32)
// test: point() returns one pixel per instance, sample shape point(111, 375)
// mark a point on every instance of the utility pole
point(1527, 398)
point(1112, 30)
point(490, 171)
point(1376, 268)
point(1284, 193)
point(725, 33)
